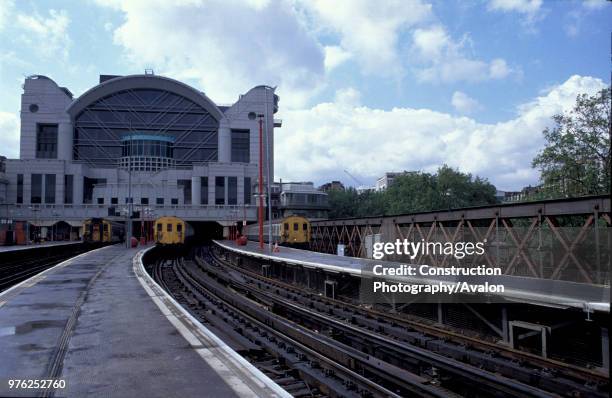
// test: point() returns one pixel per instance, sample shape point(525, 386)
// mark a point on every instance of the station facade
point(167, 143)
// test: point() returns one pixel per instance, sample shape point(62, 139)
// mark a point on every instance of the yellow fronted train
point(103, 231)
point(290, 231)
point(171, 231)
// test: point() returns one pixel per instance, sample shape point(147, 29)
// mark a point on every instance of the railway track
point(324, 366)
point(322, 348)
point(24, 267)
point(342, 318)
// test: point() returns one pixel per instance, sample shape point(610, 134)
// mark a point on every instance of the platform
point(90, 322)
point(545, 292)
point(37, 245)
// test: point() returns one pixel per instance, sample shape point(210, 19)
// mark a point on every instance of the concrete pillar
point(196, 191)
point(64, 140)
point(59, 188)
point(78, 189)
point(605, 349)
point(225, 143)
point(505, 331)
point(440, 314)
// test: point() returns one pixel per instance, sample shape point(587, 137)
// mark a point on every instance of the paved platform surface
point(517, 289)
point(36, 245)
point(116, 341)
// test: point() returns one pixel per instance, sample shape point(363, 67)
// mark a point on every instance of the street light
point(268, 184)
point(252, 116)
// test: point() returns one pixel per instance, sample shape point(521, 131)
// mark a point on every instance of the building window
point(36, 196)
point(114, 201)
point(159, 201)
point(19, 188)
point(219, 190)
point(100, 201)
point(174, 201)
point(49, 188)
point(46, 141)
point(203, 190)
point(185, 186)
point(88, 188)
point(144, 201)
point(68, 188)
point(232, 190)
point(240, 146)
point(247, 190)
point(145, 115)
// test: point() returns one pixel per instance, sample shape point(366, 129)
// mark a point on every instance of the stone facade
point(99, 187)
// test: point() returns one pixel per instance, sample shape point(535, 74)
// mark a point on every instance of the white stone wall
point(52, 102)
point(259, 100)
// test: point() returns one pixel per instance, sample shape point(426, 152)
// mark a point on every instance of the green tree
point(576, 159)
point(415, 192)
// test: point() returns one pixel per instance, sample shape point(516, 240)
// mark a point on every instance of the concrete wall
point(52, 102)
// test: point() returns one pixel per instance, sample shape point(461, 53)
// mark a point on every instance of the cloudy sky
point(365, 86)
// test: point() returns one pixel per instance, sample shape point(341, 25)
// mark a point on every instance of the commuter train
point(171, 231)
point(104, 231)
point(290, 231)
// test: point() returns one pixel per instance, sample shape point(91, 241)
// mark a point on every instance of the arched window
point(100, 128)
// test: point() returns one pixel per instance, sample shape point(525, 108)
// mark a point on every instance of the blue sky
point(364, 86)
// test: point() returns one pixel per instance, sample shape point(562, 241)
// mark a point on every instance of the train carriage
point(171, 230)
point(103, 231)
point(290, 231)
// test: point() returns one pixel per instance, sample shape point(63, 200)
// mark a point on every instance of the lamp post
point(260, 213)
point(269, 192)
point(260, 210)
point(128, 222)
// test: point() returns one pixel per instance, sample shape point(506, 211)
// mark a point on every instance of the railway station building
point(175, 150)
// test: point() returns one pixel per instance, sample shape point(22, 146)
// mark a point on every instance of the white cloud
point(348, 97)
point(6, 7)
point(576, 16)
point(227, 47)
point(443, 60)
point(335, 56)
point(464, 103)
point(369, 30)
point(9, 135)
point(531, 9)
point(594, 4)
point(498, 69)
point(47, 35)
point(333, 136)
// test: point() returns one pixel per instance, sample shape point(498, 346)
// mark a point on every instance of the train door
point(159, 231)
point(169, 230)
point(179, 232)
point(106, 232)
point(285, 236)
point(95, 236)
point(305, 232)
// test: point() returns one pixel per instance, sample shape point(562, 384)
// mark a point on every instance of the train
point(103, 231)
point(171, 231)
point(289, 231)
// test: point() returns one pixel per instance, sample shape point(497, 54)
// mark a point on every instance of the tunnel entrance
point(205, 231)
